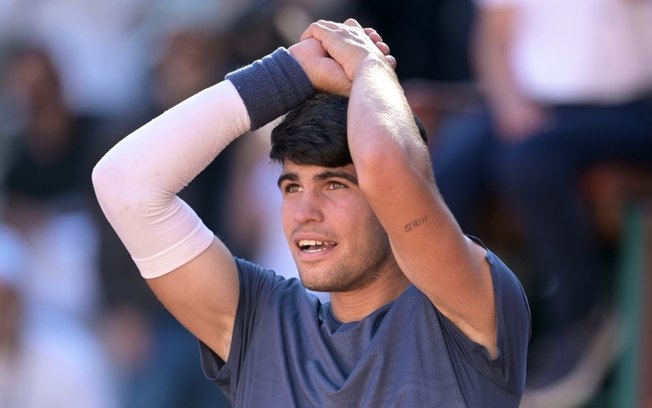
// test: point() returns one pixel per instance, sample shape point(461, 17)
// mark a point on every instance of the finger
point(352, 22)
point(377, 40)
point(322, 28)
point(384, 48)
point(321, 25)
point(391, 60)
point(373, 34)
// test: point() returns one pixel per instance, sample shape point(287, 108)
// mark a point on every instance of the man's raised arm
point(137, 182)
point(395, 173)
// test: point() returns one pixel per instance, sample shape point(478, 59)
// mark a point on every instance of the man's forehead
point(310, 169)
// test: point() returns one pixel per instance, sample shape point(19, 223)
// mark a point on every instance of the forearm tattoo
point(412, 225)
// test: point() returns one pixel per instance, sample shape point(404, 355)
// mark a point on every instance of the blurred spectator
point(567, 85)
point(46, 185)
point(45, 361)
point(96, 46)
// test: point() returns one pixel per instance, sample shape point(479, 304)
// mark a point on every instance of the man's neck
point(357, 304)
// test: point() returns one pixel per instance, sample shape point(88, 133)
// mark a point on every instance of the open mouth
point(312, 246)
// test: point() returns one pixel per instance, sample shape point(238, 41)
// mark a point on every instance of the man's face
point(335, 238)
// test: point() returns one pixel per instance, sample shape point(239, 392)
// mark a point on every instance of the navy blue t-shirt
point(289, 350)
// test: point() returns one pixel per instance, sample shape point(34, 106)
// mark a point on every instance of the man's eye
point(334, 185)
point(292, 188)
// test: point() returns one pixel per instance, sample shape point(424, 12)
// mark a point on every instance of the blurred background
point(540, 121)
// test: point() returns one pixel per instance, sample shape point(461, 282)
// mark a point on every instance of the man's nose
point(308, 208)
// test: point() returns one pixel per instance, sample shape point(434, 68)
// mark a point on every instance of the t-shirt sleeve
point(256, 286)
point(513, 324)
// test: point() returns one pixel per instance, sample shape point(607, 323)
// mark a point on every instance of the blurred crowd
point(510, 127)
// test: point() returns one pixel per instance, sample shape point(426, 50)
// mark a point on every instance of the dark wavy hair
point(315, 133)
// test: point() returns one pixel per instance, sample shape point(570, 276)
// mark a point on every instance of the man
point(420, 315)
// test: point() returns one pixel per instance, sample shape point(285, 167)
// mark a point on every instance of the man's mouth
point(311, 245)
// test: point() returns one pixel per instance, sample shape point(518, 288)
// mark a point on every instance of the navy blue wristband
point(271, 86)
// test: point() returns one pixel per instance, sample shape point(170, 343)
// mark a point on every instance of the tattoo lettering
point(409, 227)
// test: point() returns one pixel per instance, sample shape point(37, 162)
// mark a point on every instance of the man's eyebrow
point(287, 176)
point(337, 174)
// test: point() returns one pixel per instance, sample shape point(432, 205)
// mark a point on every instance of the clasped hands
point(332, 54)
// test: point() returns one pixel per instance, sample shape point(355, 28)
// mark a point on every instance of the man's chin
point(315, 286)
point(311, 282)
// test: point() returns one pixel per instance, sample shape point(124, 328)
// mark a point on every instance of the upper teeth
point(312, 242)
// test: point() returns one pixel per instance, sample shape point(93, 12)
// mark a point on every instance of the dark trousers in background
point(537, 180)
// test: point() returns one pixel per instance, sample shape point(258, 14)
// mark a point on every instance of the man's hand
point(329, 53)
point(324, 73)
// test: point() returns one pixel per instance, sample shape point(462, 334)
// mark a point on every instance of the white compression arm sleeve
point(136, 182)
